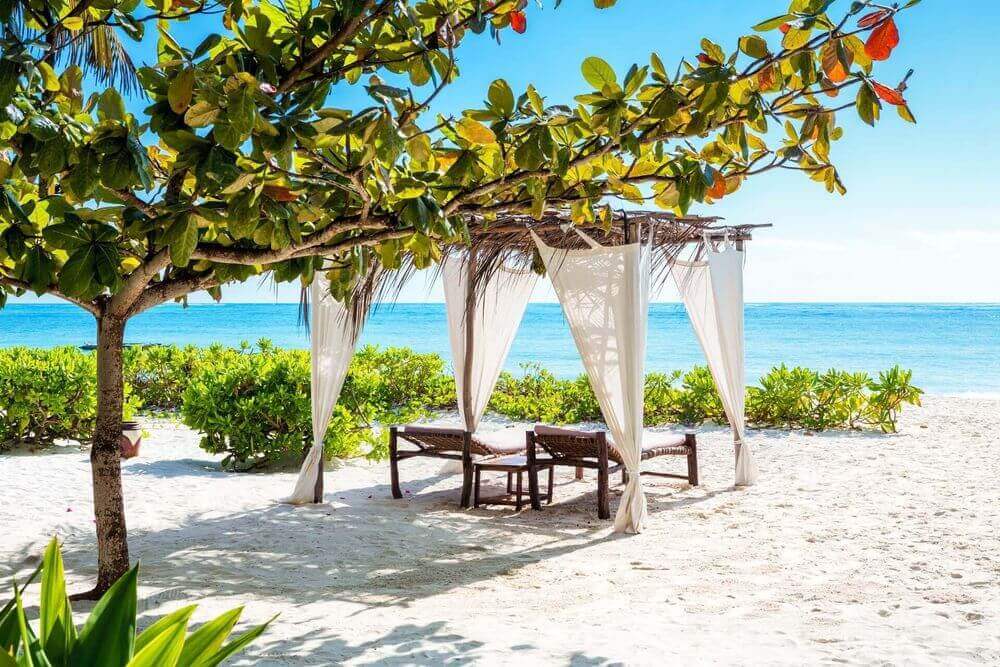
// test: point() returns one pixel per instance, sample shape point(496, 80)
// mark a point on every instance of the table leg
point(475, 493)
point(551, 469)
point(510, 482)
point(520, 475)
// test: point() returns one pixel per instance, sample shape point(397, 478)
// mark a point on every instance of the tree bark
point(105, 457)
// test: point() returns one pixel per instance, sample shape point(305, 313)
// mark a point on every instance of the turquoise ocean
point(952, 349)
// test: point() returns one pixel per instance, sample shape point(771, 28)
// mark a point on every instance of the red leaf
point(882, 41)
point(888, 94)
point(704, 59)
point(869, 20)
point(784, 28)
point(518, 21)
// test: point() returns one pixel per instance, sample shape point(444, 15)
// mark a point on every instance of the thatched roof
point(507, 239)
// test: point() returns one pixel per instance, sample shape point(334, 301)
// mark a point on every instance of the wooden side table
point(511, 465)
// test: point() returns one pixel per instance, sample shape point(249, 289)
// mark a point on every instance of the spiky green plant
point(108, 638)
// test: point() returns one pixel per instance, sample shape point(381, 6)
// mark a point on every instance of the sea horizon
point(951, 347)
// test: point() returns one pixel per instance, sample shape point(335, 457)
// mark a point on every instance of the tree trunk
point(105, 457)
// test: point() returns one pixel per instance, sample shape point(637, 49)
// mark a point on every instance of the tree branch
point(89, 306)
point(121, 304)
point(348, 30)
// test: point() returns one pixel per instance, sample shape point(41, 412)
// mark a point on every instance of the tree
point(243, 164)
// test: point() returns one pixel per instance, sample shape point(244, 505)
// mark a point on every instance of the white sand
point(855, 548)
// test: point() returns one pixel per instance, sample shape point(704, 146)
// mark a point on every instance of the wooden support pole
point(470, 340)
point(318, 489)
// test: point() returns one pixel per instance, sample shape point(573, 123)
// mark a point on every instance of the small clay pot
point(130, 439)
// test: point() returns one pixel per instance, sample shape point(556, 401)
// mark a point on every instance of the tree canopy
point(243, 163)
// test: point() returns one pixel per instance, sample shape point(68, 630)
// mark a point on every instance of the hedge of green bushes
point(46, 395)
point(252, 403)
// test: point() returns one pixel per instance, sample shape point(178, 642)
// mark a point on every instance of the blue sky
point(919, 222)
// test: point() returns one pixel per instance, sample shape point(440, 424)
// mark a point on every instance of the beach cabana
point(602, 275)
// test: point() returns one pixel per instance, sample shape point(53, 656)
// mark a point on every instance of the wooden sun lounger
point(582, 449)
point(443, 443)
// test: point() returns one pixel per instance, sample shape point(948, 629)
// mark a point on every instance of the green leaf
point(867, 104)
point(236, 645)
point(774, 23)
point(83, 175)
point(537, 103)
point(106, 261)
point(108, 635)
point(201, 114)
point(598, 73)
point(42, 128)
point(39, 269)
point(110, 106)
point(78, 274)
point(244, 214)
point(182, 237)
point(754, 46)
point(501, 97)
point(163, 642)
point(66, 235)
point(57, 632)
point(181, 90)
point(117, 170)
point(241, 111)
point(49, 78)
point(206, 45)
point(10, 634)
point(207, 640)
point(25, 631)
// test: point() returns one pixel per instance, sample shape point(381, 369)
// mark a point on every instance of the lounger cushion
point(542, 429)
point(654, 444)
point(504, 442)
point(432, 430)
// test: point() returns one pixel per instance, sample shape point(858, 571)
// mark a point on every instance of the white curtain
point(333, 335)
point(712, 292)
point(499, 307)
point(604, 292)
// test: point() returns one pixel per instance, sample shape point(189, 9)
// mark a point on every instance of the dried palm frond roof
point(507, 239)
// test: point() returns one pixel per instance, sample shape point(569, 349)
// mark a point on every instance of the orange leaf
point(869, 20)
point(518, 21)
point(765, 78)
point(832, 64)
point(718, 189)
point(888, 94)
point(279, 193)
point(784, 28)
point(882, 41)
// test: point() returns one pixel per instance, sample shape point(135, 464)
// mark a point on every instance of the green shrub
point(160, 373)
point(889, 394)
point(535, 396)
point(47, 395)
point(254, 406)
point(393, 385)
point(109, 638)
point(662, 398)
